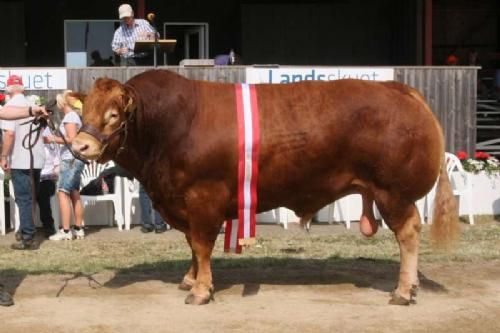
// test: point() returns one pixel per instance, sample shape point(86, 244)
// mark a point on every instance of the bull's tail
point(445, 228)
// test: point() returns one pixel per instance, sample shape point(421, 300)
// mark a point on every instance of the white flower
point(476, 165)
point(491, 166)
point(493, 162)
point(35, 99)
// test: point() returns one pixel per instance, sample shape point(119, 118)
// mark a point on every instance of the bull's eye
point(111, 117)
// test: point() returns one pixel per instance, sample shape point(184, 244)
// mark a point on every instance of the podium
point(162, 45)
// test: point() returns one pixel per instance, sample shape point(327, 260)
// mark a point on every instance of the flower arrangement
point(481, 162)
point(2, 99)
point(35, 99)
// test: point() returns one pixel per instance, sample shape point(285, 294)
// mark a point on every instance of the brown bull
point(319, 142)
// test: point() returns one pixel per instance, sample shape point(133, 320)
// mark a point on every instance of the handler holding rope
point(14, 156)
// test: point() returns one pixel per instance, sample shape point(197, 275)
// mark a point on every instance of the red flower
point(462, 155)
point(2, 98)
point(481, 155)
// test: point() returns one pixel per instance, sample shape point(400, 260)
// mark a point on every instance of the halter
point(104, 139)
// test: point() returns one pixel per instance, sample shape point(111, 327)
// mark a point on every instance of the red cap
point(14, 80)
point(452, 60)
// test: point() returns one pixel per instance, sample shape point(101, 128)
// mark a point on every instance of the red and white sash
point(242, 231)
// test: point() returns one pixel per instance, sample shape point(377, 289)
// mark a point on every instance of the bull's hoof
point(187, 283)
point(399, 300)
point(197, 300)
point(185, 286)
point(414, 290)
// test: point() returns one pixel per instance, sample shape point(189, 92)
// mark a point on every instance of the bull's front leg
point(206, 203)
point(190, 277)
point(201, 291)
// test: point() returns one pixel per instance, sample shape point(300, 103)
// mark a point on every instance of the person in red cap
point(14, 80)
point(452, 60)
point(16, 159)
point(10, 112)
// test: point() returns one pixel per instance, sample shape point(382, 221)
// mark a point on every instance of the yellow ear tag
point(78, 104)
point(128, 106)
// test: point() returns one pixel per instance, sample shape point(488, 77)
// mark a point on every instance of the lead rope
point(29, 146)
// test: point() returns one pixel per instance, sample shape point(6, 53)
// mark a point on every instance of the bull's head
point(106, 112)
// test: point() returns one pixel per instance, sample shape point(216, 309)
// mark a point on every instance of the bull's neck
point(137, 153)
point(154, 135)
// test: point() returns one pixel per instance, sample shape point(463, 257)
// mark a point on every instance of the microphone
point(151, 18)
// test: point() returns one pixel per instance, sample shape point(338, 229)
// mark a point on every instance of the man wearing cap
point(11, 112)
point(130, 30)
point(16, 158)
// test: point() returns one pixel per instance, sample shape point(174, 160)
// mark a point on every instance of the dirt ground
point(351, 296)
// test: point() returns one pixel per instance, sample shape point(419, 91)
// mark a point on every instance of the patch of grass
point(287, 249)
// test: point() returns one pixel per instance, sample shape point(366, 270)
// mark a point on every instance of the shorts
point(70, 174)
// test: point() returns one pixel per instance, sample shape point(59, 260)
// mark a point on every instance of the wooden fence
point(452, 95)
point(450, 91)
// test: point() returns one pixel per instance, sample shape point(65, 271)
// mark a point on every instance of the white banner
point(37, 79)
point(296, 74)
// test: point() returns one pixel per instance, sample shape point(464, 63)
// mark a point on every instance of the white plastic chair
point(281, 216)
point(13, 208)
point(91, 172)
point(3, 225)
point(344, 207)
point(460, 182)
point(130, 192)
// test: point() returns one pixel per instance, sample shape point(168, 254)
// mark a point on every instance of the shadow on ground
point(252, 273)
point(362, 273)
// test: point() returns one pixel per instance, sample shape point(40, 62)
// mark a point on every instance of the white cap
point(125, 11)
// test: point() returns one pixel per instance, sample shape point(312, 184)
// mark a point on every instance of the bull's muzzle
point(80, 147)
point(86, 146)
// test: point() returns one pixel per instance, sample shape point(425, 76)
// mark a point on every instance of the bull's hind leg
point(405, 222)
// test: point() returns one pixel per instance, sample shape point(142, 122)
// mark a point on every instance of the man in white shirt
point(14, 112)
point(130, 30)
point(16, 158)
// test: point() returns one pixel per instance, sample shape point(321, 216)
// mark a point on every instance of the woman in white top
point(68, 185)
point(47, 187)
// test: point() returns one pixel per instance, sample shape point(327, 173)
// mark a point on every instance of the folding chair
point(91, 172)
